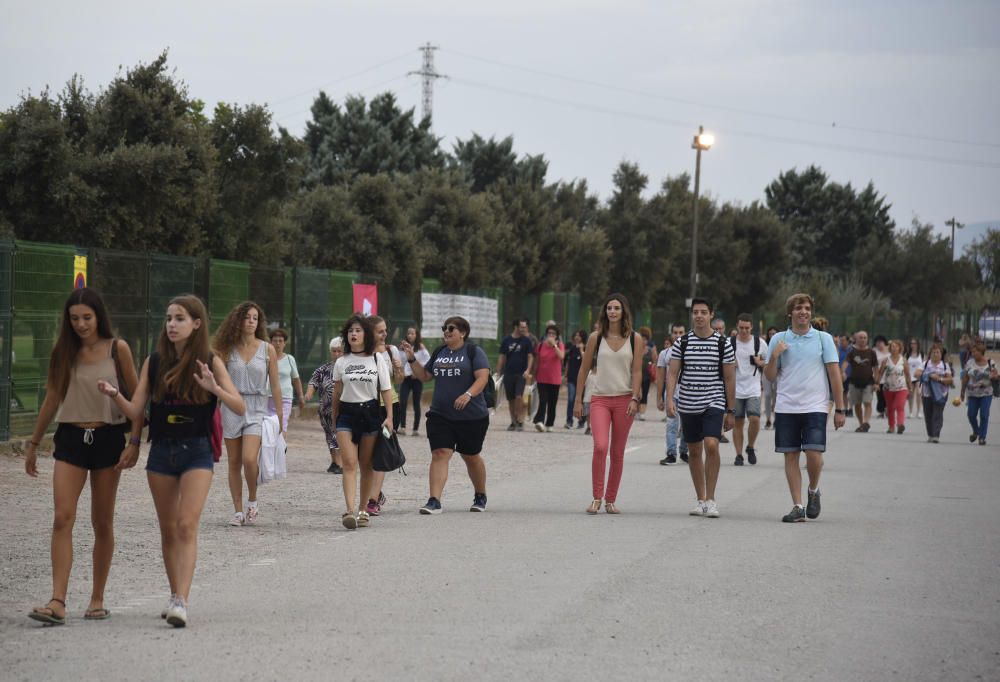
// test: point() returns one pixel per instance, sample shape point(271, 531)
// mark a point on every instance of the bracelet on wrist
point(134, 440)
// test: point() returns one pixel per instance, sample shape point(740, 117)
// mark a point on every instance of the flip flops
point(97, 614)
point(49, 618)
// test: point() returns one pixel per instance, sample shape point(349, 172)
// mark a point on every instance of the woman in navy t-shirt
point(458, 418)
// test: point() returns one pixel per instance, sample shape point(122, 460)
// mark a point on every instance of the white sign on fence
point(480, 312)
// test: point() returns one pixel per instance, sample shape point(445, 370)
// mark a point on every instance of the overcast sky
point(905, 94)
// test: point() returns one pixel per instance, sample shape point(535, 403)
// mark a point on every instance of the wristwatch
point(730, 411)
point(839, 411)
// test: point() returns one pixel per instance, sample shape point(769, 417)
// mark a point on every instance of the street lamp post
point(953, 223)
point(702, 142)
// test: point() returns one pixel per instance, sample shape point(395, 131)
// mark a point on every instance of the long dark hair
point(231, 329)
point(626, 315)
point(175, 375)
point(68, 344)
point(418, 343)
point(909, 347)
point(366, 326)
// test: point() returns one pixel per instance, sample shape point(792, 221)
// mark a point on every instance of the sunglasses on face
point(449, 328)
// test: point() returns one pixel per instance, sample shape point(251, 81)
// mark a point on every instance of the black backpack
point(490, 392)
point(684, 345)
point(756, 350)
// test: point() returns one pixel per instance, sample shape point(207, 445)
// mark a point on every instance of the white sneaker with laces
point(237, 520)
point(711, 509)
point(539, 426)
point(699, 509)
point(177, 614)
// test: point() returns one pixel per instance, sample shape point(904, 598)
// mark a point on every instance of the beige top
point(613, 375)
point(83, 402)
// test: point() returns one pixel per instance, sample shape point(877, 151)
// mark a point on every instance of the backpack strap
point(684, 347)
point(722, 352)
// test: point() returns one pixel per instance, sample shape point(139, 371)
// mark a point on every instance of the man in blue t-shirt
point(803, 361)
point(515, 363)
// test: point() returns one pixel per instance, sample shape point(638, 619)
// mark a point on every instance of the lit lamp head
point(703, 141)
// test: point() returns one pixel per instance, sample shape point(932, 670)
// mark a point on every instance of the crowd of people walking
point(201, 395)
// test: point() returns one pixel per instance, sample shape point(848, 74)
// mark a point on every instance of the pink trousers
point(895, 407)
point(609, 425)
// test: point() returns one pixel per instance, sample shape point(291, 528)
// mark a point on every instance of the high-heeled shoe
point(594, 507)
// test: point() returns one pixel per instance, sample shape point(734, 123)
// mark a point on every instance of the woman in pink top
point(548, 376)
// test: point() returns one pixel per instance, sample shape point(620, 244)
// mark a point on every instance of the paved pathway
point(898, 579)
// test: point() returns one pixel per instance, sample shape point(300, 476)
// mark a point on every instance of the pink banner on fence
point(366, 299)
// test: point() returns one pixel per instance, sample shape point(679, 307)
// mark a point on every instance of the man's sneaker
point(738, 461)
point(520, 426)
point(568, 425)
point(699, 509)
point(973, 437)
point(237, 519)
point(478, 503)
point(540, 427)
point(334, 469)
point(512, 427)
point(684, 457)
point(373, 508)
point(580, 425)
point(796, 515)
point(177, 614)
point(982, 441)
point(671, 458)
point(812, 505)
point(751, 456)
point(866, 427)
point(433, 506)
point(723, 439)
point(711, 509)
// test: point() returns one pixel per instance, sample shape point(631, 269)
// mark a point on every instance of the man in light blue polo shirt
point(805, 364)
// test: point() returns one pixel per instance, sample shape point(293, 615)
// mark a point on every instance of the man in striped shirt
point(703, 363)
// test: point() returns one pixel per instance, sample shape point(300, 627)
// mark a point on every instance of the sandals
point(49, 618)
point(349, 520)
point(363, 518)
point(610, 508)
point(594, 507)
point(99, 613)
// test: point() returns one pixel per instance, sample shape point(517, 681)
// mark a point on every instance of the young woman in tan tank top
point(90, 441)
point(616, 395)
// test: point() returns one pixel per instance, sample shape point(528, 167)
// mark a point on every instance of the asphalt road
point(898, 579)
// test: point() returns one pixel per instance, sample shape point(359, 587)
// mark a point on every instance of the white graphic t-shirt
point(360, 378)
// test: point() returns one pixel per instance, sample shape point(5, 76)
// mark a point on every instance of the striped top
point(701, 384)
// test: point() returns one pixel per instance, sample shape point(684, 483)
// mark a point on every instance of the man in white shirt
point(804, 363)
point(675, 435)
point(751, 355)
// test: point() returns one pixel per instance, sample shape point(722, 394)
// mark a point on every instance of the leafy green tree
point(984, 254)
point(258, 170)
point(366, 138)
point(830, 221)
point(484, 163)
point(587, 252)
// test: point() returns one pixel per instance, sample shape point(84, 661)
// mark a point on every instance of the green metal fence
point(310, 303)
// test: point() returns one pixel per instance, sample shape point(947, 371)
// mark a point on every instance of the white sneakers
point(177, 612)
point(237, 519)
point(705, 508)
point(540, 427)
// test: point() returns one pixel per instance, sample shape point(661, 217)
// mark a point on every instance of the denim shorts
point(701, 425)
point(360, 419)
point(177, 456)
point(797, 432)
point(747, 407)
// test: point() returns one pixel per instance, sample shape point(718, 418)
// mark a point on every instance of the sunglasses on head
point(449, 328)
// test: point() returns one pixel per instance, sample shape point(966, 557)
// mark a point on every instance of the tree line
point(140, 165)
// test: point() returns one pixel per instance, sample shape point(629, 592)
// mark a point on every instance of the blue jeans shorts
point(747, 407)
point(177, 456)
point(797, 432)
point(701, 425)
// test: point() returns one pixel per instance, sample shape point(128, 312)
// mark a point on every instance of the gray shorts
point(246, 424)
point(858, 395)
point(747, 407)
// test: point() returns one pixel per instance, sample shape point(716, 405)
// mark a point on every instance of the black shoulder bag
point(388, 455)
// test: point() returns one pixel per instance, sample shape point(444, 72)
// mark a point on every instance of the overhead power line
point(722, 107)
point(776, 139)
point(405, 55)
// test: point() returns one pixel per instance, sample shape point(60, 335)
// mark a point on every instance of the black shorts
point(463, 436)
point(513, 385)
point(90, 449)
point(701, 425)
point(397, 415)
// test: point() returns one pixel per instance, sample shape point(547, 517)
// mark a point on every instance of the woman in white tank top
point(617, 382)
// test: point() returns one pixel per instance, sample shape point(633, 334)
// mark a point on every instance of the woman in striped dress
point(252, 363)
